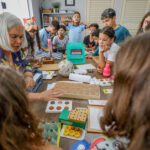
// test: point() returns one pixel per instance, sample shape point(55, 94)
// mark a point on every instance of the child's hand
point(99, 69)
point(29, 82)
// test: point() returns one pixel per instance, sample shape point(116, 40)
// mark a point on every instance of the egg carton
point(56, 106)
point(50, 131)
point(105, 82)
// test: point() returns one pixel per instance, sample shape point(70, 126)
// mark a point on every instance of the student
point(108, 49)
point(108, 17)
point(60, 41)
point(12, 39)
point(19, 127)
point(144, 22)
point(126, 115)
point(75, 28)
point(48, 33)
point(32, 28)
point(95, 36)
point(88, 40)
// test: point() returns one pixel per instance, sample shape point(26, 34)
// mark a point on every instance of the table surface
point(39, 107)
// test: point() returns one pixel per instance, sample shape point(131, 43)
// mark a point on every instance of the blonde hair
point(7, 21)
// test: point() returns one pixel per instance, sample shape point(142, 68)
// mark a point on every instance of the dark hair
point(148, 26)
point(141, 23)
point(94, 25)
point(18, 126)
point(96, 32)
point(76, 12)
point(109, 31)
point(63, 27)
point(55, 24)
point(130, 91)
point(108, 13)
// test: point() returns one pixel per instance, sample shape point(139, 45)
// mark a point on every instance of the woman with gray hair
point(12, 39)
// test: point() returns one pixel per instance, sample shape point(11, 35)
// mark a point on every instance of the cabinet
point(48, 17)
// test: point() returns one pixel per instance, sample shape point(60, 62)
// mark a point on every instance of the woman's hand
point(29, 82)
point(51, 94)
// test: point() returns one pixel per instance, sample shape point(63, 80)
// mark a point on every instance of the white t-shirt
point(111, 53)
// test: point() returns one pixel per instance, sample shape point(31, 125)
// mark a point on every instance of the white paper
point(86, 66)
point(50, 86)
point(95, 115)
point(80, 78)
point(98, 102)
point(48, 74)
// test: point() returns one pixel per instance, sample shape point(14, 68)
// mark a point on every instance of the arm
point(45, 95)
point(65, 20)
point(86, 24)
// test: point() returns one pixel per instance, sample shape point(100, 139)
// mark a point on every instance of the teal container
point(76, 53)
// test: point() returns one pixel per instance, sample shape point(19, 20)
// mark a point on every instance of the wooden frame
point(91, 129)
point(69, 2)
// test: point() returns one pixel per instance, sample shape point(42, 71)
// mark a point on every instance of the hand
point(51, 94)
point(99, 69)
point(104, 48)
point(29, 82)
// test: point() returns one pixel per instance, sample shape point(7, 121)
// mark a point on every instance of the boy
point(88, 40)
point(60, 41)
point(48, 33)
point(75, 28)
point(109, 19)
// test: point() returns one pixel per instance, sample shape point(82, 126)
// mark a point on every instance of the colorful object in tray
point(72, 131)
point(47, 60)
point(51, 132)
point(106, 82)
point(56, 106)
point(76, 53)
point(74, 118)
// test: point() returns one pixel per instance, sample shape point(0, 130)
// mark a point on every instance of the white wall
point(16, 7)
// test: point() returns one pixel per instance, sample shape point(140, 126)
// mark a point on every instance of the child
point(19, 127)
point(60, 41)
point(108, 49)
point(32, 29)
point(126, 118)
point(95, 36)
point(144, 22)
point(48, 33)
point(109, 19)
point(88, 40)
point(75, 28)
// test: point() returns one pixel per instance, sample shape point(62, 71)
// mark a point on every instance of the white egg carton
point(56, 106)
point(105, 82)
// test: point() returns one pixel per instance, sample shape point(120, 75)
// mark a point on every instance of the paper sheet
point(95, 115)
point(98, 102)
point(48, 74)
point(86, 66)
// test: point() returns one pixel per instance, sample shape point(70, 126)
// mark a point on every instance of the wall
point(16, 7)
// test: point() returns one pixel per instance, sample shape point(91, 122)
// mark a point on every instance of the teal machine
point(76, 53)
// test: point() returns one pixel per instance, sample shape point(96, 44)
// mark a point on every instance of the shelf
point(57, 13)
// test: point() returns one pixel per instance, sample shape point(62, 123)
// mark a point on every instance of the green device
point(76, 53)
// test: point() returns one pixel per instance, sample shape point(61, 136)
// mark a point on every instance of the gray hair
point(7, 21)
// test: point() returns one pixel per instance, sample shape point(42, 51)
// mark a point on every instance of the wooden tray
point(94, 119)
point(79, 90)
point(47, 60)
point(49, 67)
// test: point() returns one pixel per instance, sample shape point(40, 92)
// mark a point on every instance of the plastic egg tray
point(50, 131)
point(105, 82)
point(72, 132)
point(56, 106)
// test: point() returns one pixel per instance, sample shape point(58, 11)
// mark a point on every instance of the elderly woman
point(12, 39)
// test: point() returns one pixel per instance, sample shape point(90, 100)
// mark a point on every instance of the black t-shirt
point(87, 42)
